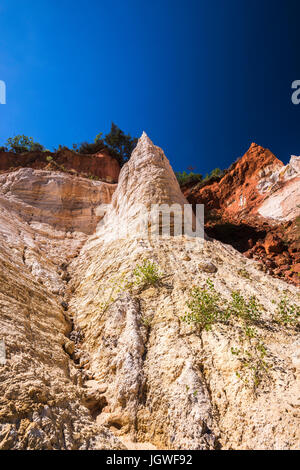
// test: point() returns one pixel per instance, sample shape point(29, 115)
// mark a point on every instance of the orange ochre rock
point(255, 207)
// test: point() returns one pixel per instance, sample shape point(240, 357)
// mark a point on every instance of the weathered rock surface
point(93, 362)
point(44, 220)
point(100, 165)
point(62, 201)
point(258, 183)
point(257, 196)
point(161, 381)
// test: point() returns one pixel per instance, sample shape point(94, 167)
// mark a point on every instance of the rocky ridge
point(255, 207)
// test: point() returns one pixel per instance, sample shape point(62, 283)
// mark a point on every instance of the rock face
point(45, 217)
point(59, 200)
point(257, 195)
point(258, 183)
point(95, 360)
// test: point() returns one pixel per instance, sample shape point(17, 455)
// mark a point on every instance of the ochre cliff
point(258, 197)
point(95, 361)
point(258, 183)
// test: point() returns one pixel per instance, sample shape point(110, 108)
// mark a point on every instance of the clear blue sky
point(204, 78)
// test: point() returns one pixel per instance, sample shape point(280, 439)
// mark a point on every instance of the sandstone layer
point(45, 218)
point(94, 361)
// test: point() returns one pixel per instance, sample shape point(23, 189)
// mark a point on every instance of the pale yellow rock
point(139, 376)
point(41, 404)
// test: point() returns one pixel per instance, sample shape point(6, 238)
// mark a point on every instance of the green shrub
point(116, 287)
point(118, 144)
point(90, 148)
point(287, 313)
point(215, 174)
point(184, 177)
point(22, 143)
point(244, 273)
point(247, 310)
point(254, 364)
point(147, 273)
point(49, 158)
point(205, 306)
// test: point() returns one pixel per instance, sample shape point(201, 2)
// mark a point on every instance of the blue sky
point(203, 78)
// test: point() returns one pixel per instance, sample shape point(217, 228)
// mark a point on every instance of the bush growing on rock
point(184, 177)
point(116, 142)
point(254, 364)
point(207, 307)
point(247, 310)
point(147, 273)
point(119, 144)
point(287, 313)
point(22, 144)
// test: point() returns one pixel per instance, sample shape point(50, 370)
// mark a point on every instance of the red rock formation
point(255, 207)
point(100, 165)
point(239, 190)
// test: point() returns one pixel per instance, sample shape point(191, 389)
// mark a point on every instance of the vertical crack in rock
point(119, 363)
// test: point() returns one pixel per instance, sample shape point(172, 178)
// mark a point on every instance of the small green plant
point(287, 313)
point(116, 142)
point(49, 158)
point(250, 332)
point(247, 310)
point(214, 174)
point(204, 306)
point(146, 321)
point(118, 285)
point(254, 364)
point(244, 273)
point(185, 178)
point(147, 273)
point(207, 307)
